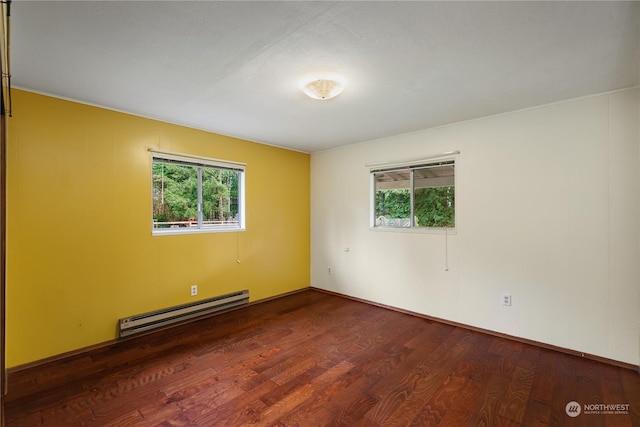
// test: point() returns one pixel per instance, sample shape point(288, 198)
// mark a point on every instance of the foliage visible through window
point(192, 195)
point(415, 196)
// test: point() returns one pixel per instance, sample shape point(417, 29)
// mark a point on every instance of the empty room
point(309, 213)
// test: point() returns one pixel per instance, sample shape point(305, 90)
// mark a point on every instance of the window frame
point(200, 163)
point(411, 166)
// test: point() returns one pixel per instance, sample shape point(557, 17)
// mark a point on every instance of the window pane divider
point(200, 216)
point(412, 200)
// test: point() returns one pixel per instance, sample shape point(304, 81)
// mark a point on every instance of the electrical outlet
point(506, 299)
point(194, 290)
point(329, 271)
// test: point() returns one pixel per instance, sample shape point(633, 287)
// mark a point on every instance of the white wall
point(548, 208)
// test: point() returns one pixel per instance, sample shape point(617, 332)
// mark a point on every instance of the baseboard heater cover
point(159, 318)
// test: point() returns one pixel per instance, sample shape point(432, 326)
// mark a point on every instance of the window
point(414, 196)
point(195, 195)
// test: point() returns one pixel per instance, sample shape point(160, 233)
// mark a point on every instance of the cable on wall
point(446, 250)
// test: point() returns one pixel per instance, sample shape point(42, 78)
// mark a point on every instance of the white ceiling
point(236, 67)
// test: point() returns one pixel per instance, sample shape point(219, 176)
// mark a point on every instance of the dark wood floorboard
point(315, 359)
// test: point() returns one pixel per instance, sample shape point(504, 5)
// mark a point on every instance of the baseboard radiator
point(160, 318)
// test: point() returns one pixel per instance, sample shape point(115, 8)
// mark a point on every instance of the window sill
point(180, 231)
point(418, 230)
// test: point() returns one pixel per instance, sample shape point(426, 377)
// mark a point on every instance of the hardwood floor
point(313, 359)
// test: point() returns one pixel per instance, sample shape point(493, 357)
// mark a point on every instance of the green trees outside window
point(435, 207)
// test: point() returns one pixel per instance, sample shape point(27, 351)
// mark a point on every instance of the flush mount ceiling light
point(322, 89)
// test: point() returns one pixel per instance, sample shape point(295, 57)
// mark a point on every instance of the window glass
point(434, 197)
point(219, 197)
point(393, 198)
point(175, 195)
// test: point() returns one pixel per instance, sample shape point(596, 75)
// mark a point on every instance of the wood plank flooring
point(315, 359)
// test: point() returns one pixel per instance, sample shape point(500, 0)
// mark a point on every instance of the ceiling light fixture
point(322, 89)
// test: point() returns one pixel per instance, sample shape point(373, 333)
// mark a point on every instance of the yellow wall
point(80, 250)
